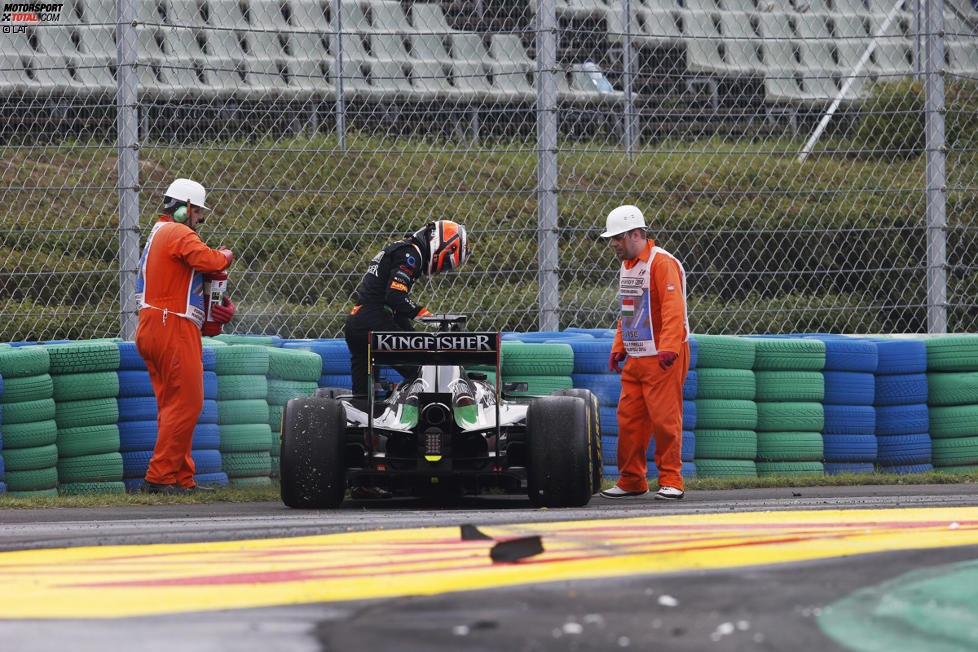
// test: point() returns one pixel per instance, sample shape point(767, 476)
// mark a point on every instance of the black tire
point(313, 473)
point(559, 468)
point(594, 431)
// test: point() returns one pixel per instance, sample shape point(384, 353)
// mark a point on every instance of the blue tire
point(900, 389)
point(343, 381)
point(694, 353)
point(334, 353)
point(129, 358)
point(834, 468)
point(689, 387)
point(207, 436)
point(902, 419)
point(849, 388)
point(906, 469)
point(849, 420)
point(688, 453)
point(210, 386)
point(208, 357)
point(216, 479)
point(689, 415)
point(133, 382)
point(137, 408)
point(607, 387)
point(591, 355)
point(206, 460)
point(609, 420)
point(688, 470)
point(208, 413)
point(849, 448)
point(896, 450)
point(901, 356)
point(849, 354)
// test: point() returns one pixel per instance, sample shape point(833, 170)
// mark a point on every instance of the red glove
point(614, 360)
point(666, 358)
point(223, 311)
point(227, 254)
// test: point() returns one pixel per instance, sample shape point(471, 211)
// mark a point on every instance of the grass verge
point(271, 494)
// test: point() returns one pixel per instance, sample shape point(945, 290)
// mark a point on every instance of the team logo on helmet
point(449, 247)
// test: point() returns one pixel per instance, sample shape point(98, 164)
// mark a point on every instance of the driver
point(383, 303)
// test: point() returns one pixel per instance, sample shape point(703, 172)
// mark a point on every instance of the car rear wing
point(439, 348)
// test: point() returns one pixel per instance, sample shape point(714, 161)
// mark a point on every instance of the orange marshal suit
point(170, 294)
point(651, 403)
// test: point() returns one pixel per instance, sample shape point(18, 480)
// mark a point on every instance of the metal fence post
point(936, 170)
point(628, 75)
point(340, 101)
point(546, 44)
point(127, 122)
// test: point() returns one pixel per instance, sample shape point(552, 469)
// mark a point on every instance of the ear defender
point(180, 215)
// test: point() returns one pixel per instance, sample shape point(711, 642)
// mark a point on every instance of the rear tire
point(559, 469)
point(594, 431)
point(312, 468)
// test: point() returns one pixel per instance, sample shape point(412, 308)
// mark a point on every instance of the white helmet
point(624, 218)
point(185, 190)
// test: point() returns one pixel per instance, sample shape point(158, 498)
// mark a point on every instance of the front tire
point(312, 468)
point(559, 468)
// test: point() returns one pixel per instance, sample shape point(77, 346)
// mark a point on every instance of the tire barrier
point(899, 405)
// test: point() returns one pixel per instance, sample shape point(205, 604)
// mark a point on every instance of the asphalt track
point(730, 570)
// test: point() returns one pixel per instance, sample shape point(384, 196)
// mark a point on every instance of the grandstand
point(464, 65)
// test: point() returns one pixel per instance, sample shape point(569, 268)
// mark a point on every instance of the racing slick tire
point(559, 465)
point(594, 432)
point(312, 468)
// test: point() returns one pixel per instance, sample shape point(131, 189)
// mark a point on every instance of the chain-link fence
point(791, 153)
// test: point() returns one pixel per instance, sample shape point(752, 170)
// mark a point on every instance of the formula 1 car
point(442, 429)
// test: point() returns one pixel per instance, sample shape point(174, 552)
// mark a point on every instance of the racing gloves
point(614, 360)
point(666, 358)
point(223, 311)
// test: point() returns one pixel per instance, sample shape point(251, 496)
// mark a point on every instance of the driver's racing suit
point(383, 304)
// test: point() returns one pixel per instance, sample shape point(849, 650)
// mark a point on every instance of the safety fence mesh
point(321, 135)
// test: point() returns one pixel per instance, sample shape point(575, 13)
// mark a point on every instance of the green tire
point(952, 353)
point(539, 385)
point(241, 387)
point(242, 482)
point(789, 446)
point(726, 444)
point(956, 451)
point(246, 437)
point(241, 411)
point(241, 360)
point(719, 414)
point(30, 434)
point(280, 391)
point(965, 468)
point(34, 480)
point(275, 418)
point(793, 415)
point(537, 359)
point(28, 411)
point(22, 361)
point(33, 494)
point(81, 357)
point(294, 364)
point(30, 459)
point(789, 468)
point(728, 384)
point(789, 354)
point(78, 387)
point(85, 488)
point(27, 388)
point(790, 386)
point(91, 412)
point(88, 440)
point(725, 352)
point(944, 388)
point(953, 421)
point(246, 465)
point(106, 467)
point(707, 468)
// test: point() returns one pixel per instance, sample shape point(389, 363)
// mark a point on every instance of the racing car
point(445, 428)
